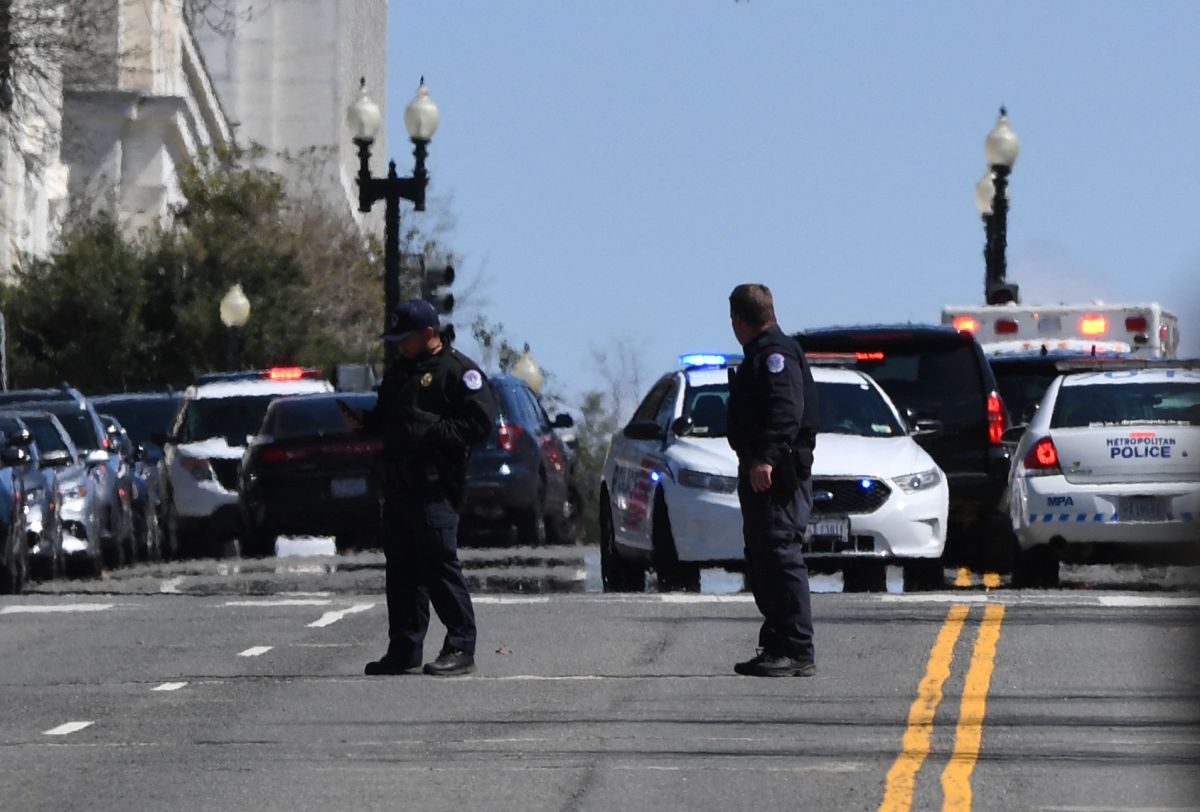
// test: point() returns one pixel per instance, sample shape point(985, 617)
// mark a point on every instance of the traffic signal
point(435, 281)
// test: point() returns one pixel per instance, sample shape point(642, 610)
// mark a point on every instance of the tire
point(1037, 568)
point(924, 575)
point(14, 569)
point(864, 576)
point(616, 574)
point(260, 542)
point(152, 543)
point(564, 527)
point(531, 523)
point(673, 575)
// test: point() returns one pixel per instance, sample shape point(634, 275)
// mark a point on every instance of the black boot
point(390, 665)
point(451, 664)
point(746, 667)
point(778, 665)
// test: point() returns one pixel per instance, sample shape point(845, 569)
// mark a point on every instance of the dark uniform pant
point(773, 525)
point(420, 543)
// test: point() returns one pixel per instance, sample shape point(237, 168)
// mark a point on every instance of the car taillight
point(508, 434)
point(1043, 457)
point(996, 421)
point(339, 448)
point(1006, 326)
point(1136, 324)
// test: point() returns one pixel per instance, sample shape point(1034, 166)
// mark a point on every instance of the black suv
point(939, 376)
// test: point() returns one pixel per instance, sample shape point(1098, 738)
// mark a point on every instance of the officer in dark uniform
point(772, 427)
point(434, 403)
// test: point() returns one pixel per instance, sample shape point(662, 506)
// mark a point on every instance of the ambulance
point(1144, 330)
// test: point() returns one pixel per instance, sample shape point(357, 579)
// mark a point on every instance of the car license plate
point(837, 528)
point(1141, 509)
point(347, 487)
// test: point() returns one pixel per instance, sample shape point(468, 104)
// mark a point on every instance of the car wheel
point(564, 526)
point(14, 567)
point(174, 548)
point(616, 574)
point(924, 575)
point(864, 576)
point(673, 574)
point(1037, 568)
point(153, 543)
point(531, 522)
point(259, 542)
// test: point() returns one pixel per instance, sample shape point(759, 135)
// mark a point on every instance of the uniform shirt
point(772, 400)
point(430, 411)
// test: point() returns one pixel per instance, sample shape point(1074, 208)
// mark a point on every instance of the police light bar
point(703, 359)
point(289, 373)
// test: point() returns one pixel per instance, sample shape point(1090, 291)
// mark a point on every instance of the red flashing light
point(508, 435)
point(1006, 326)
point(965, 324)
point(1136, 324)
point(286, 373)
point(996, 421)
point(876, 355)
point(1093, 324)
point(1043, 456)
point(1163, 332)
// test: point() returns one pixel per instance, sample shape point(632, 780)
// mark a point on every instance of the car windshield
point(79, 425)
point(142, 417)
point(312, 417)
point(1161, 403)
point(234, 418)
point(46, 435)
point(708, 407)
point(857, 409)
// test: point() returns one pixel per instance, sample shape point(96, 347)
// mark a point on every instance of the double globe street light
point(421, 120)
point(235, 312)
point(1000, 149)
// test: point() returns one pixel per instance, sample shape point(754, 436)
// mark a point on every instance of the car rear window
point(141, 417)
point(934, 382)
point(234, 418)
point(45, 435)
point(79, 425)
point(312, 417)
point(1161, 403)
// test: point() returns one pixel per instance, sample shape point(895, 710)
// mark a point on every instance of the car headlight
point(708, 482)
point(197, 467)
point(911, 483)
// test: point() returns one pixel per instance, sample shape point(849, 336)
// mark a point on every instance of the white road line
point(953, 597)
point(330, 618)
point(673, 597)
point(169, 686)
point(171, 585)
point(36, 609)
point(1138, 601)
point(502, 599)
point(282, 602)
point(255, 651)
point(64, 729)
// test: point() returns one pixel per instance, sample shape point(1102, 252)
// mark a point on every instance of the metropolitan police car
point(202, 454)
point(1108, 470)
point(669, 483)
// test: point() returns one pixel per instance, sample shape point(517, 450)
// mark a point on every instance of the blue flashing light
point(866, 484)
point(655, 476)
point(707, 359)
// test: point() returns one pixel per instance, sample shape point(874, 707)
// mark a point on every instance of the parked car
point(202, 453)
point(43, 524)
point(306, 473)
point(669, 485)
point(81, 421)
point(147, 543)
point(523, 475)
point(938, 375)
point(14, 556)
point(1109, 470)
point(77, 492)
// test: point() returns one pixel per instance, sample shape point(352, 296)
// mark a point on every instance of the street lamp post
point(1000, 149)
point(421, 120)
point(235, 312)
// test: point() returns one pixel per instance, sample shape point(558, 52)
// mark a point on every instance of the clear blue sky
point(615, 168)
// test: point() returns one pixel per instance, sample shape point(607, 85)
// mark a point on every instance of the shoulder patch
point(473, 380)
point(775, 363)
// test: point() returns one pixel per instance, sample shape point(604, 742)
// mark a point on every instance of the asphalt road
point(148, 694)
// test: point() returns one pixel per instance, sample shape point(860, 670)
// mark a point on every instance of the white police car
point(203, 452)
point(1108, 469)
point(669, 483)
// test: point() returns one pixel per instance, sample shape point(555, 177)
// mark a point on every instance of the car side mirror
point(682, 426)
point(564, 421)
point(1012, 435)
point(643, 430)
point(97, 457)
point(927, 428)
point(14, 455)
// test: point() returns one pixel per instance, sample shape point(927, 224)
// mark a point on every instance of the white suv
point(202, 453)
point(669, 484)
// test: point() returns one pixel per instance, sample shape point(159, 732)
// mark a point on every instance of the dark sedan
point(307, 474)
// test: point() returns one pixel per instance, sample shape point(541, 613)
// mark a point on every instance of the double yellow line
point(956, 777)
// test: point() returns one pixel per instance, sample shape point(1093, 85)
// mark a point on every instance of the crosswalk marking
point(255, 651)
point(64, 729)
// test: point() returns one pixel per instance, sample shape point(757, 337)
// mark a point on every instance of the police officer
point(772, 427)
point(434, 403)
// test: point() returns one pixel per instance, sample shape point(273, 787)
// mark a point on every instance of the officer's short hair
point(753, 304)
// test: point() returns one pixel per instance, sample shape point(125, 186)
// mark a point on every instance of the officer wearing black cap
point(772, 427)
point(434, 403)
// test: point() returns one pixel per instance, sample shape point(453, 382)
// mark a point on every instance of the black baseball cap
point(408, 318)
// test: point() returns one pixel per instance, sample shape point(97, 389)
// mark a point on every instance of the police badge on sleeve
point(774, 363)
point(473, 380)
